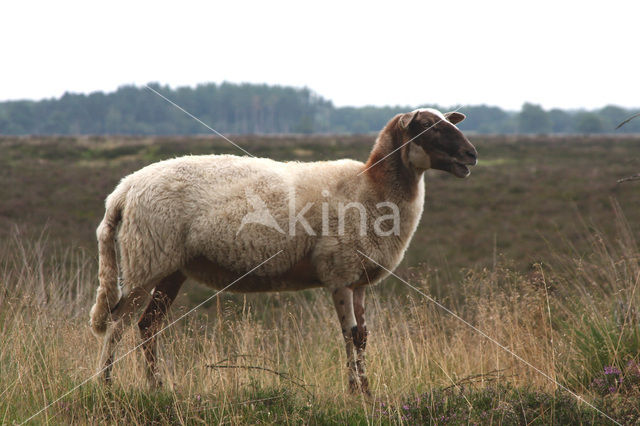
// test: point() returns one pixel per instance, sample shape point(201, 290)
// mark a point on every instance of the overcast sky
point(555, 53)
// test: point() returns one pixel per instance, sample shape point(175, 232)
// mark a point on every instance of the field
point(536, 249)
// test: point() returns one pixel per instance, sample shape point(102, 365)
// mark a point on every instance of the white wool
point(189, 207)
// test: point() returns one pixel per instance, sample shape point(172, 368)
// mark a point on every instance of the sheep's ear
point(455, 117)
point(407, 119)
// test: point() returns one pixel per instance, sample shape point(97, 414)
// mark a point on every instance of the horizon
point(194, 86)
point(494, 53)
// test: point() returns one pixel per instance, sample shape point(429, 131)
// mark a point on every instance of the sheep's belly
point(301, 276)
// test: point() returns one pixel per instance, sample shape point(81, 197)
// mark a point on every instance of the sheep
point(214, 218)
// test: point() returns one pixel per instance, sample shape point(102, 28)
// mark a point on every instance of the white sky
point(555, 53)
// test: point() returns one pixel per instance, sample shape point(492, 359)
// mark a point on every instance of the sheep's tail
point(108, 291)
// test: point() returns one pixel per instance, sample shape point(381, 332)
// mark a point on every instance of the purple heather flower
point(633, 367)
point(610, 369)
point(405, 407)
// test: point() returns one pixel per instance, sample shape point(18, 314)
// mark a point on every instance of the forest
point(263, 109)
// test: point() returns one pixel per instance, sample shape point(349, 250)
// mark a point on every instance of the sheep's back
point(196, 205)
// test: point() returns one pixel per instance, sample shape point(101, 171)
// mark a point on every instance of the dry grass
point(416, 349)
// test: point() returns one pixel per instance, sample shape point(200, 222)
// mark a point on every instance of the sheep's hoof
point(155, 384)
point(106, 379)
point(359, 387)
point(364, 386)
point(106, 372)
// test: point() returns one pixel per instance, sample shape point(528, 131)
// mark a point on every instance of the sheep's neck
point(388, 169)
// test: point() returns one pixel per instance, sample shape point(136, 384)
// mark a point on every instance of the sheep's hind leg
point(343, 302)
point(152, 319)
point(360, 334)
point(122, 316)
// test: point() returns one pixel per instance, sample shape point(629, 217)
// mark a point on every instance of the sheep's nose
point(472, 153)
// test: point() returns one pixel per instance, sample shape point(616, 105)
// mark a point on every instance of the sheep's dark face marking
point(445, 146)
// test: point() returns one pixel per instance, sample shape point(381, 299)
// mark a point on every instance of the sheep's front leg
point(343, 301)
point(360, 334)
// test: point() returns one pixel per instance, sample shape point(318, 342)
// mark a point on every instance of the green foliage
point(533, 119)
point(487, 119)
point(500, 404)
point(561, 121)
point(259, 109)
point(497, 404)
point(601, 344)
point(229, 108)
point(589, 122)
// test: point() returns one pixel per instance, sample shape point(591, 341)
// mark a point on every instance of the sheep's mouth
point(460, 169)
point(457, 167)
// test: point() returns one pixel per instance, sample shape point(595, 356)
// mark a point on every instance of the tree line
point(258, 108)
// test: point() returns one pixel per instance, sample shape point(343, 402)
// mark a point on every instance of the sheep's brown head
point(436, 142)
